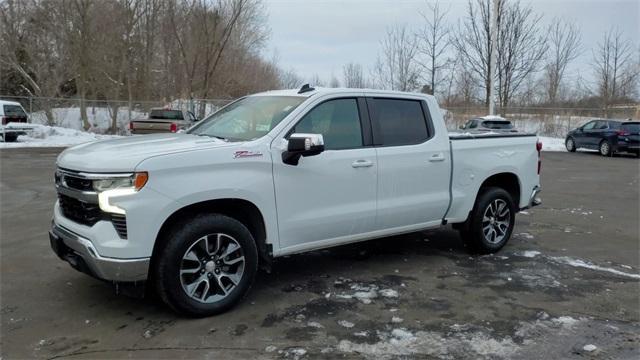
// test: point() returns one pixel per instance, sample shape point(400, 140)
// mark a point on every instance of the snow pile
point(100, 118)
point(54, 136)
point(552, 144)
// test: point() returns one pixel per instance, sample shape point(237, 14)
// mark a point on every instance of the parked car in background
point(489, 123)
point(606, 136)
point(12, 114)
point(280, 173)
point(163, 120)
point(629, 137)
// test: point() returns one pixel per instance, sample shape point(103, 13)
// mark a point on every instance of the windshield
point(248, 118)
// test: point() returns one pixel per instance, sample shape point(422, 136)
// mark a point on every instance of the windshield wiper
point(213, 136)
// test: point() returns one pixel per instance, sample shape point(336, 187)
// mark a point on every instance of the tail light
point(4, 120)
point(173, 127)
point(623, 133)
point(131, 125)
point(539, 149)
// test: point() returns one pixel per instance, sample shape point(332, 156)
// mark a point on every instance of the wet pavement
point(566, 286)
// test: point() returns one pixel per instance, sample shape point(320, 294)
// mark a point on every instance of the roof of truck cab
point(7, 102)
point(324, 91)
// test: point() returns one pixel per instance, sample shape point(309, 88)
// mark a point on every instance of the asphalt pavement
point(566, 286)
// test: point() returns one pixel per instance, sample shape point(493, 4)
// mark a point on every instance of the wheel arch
point(508, 181)
point(240, 209)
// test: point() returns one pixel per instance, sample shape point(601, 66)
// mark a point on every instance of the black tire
point(570, 144)
point(180, 240)
point(605, 148)
point(10, 137)
point(472, 232)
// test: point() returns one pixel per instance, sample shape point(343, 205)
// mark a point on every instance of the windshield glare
point(248, 118)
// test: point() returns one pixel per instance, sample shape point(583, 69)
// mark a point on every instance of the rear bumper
point(83, 256)
point(534, 200)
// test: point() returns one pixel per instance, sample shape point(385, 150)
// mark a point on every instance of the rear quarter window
point(166, 114)
point(13, 110)
point(633, 127)
point(399, 121)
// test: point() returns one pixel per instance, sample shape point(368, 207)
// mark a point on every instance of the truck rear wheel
point(491, 221)
point(206, 266)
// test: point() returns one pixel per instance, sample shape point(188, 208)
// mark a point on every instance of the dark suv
point(606, 136)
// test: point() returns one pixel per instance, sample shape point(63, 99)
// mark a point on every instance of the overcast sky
point(319, 37)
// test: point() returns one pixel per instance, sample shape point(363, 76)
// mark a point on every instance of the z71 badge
point(246, 154)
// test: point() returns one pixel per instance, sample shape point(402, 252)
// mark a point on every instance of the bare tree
point(433, 43)
point(521, 46)
point(353, 76)
point(616, 71)
point(396, 67)
point(564, 47)
point(289, 79)
point(334, 82)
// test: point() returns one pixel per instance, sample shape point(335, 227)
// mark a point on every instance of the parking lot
point(570, 277)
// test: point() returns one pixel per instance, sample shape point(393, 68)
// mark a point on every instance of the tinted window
point(337, 120)
point(473, 124)
point(633, 127)
point(166, 114)
point(401, 122)
point(13, 110)
point(498, 124)
point(601, 125)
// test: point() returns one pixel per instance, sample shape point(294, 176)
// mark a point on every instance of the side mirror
point(302, 145)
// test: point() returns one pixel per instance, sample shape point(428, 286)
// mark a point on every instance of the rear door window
point(632, 128)
point(398, 121)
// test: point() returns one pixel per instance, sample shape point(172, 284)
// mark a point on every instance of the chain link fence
point(103, 114)
point(553, 122)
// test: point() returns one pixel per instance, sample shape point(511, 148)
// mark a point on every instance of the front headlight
point(113, 187)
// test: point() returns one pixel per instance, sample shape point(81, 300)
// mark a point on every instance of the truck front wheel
point(491, 221)
point(207, 265)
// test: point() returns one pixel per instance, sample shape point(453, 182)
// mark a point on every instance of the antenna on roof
point(305, 88)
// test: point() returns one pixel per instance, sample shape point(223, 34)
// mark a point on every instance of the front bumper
point(83, 256)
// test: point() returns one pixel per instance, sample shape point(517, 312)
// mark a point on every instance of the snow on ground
point(566, 260)
point(98, 117)
point(552, 144)
point(53, 136)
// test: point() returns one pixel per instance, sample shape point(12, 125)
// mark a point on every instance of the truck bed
point(478, 156)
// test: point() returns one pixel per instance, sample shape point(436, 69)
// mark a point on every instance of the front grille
point(78, 183)
point(79, 211)
point(120, 223)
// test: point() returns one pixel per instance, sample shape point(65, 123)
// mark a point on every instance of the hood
point(123, 155)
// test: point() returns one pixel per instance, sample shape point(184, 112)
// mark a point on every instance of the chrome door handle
point(437, 157)
point(362, 163)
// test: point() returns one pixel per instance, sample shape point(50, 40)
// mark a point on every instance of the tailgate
point(151, 126)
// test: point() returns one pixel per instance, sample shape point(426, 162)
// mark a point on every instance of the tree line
point(134, 49)
point(166, 49)
point(452, 60)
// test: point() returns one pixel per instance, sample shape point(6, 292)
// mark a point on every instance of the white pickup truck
point(283, 172)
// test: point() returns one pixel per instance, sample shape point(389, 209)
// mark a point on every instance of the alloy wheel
point(496, 221)
point(212, 267)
